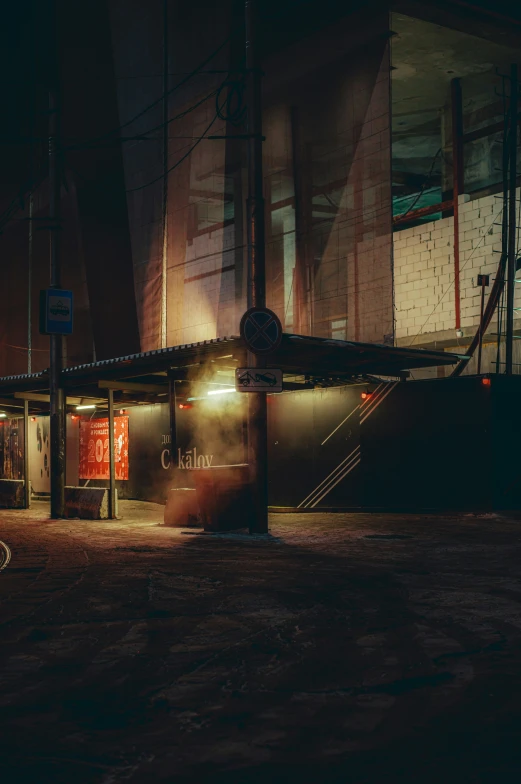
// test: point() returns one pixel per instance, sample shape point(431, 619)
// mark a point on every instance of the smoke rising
point(217, 421)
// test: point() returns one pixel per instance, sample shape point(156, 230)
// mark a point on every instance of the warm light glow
point(123, 411)
point(33, 419)
point(81, 408)
point(365, 395)
point(185, 405)
point(486, 382)
point(74, 417)
point(229, 391)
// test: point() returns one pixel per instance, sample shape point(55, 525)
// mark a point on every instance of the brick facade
point(424, 270)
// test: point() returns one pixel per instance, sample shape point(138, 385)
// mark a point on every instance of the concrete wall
point(424, 271)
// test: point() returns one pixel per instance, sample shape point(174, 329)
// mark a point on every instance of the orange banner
point(94, 448)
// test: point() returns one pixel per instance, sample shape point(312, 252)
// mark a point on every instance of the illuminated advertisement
point(94, 448)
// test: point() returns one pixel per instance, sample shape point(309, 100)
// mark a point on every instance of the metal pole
point(27, 485)
point(457, 187)
point(29, 288)
point(112, 458)
point(480, 346)
point(504, 232)
point(255, 203)
point(511, 221)
point(257, 408)
point(172, 404)
point(56, 341)
point(164, 297)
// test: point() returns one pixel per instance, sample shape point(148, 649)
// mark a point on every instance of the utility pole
point(56, 341)
point(164, 262)
point(511, 221)
point(257, 408)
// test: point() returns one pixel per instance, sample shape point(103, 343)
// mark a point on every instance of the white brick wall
point(424, 268)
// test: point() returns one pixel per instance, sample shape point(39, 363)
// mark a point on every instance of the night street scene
point(260, 392)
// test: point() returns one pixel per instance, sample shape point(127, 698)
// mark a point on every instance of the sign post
point(256, 242)
point(57, 396)
point(261, 330)
point(56, 312)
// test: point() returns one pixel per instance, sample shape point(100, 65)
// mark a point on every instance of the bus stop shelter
point(166, 375)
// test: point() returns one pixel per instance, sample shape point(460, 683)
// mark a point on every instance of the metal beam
point(423, 211)
point(32, 396)
point(132, 386)
point(5, 401)
point(41, 398)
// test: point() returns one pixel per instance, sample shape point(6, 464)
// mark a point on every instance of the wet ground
point(344, 648)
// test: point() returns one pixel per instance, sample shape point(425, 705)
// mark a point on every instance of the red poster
point(94, 448)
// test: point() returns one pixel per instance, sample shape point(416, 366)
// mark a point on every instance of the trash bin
point(182, 510)
point(224, 496)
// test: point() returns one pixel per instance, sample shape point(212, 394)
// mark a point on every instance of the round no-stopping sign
point(261, 330)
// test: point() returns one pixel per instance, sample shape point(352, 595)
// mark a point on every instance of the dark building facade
point(152, 222)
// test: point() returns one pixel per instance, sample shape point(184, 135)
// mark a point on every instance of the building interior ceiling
point(426, 57)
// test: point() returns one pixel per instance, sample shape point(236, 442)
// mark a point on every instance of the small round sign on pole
point(261, 330)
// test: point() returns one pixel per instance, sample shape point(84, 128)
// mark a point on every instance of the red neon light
point(486, 382)
point(185, 405)
point(365, 395)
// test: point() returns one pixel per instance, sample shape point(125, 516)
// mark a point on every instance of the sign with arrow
point(258, 380)
point(261, 330)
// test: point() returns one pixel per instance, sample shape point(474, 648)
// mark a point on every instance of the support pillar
point(457, 186)
point(172, 404)
point(112, 459)
point(27, 481)
point(257, 412)
point(57, 397)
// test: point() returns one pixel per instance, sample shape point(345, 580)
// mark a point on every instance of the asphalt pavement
point(341, 648)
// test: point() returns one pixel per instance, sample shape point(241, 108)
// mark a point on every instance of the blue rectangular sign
point(56, 309)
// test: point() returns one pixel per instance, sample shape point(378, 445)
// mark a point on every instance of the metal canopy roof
point(296, 355)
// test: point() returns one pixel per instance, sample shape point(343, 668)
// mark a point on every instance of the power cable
point(18, 202)
point(226, 111)
point(184, 113)
point(155, 103)
point(178, 163)
point(422, 190)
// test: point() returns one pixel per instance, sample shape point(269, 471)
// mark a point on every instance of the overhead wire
point(184, 113)
point(28, 188)
point(227, 112)
point(159, 100)
point(422, 190)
